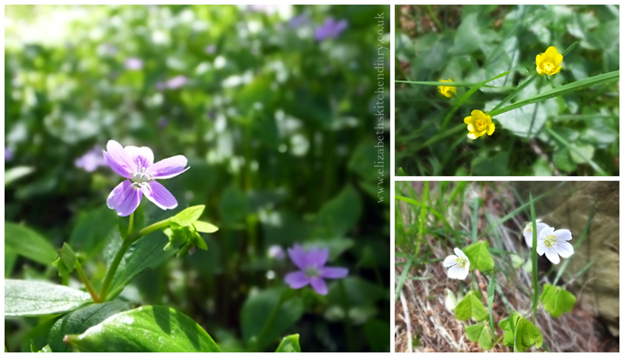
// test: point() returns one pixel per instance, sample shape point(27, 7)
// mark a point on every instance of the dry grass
point(424, 324)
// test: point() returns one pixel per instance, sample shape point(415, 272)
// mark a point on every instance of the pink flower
point(313, 270)
point(137, 165)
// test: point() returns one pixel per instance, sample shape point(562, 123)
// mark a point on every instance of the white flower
point(528, 231)
point(554, 243)
point(459, 264)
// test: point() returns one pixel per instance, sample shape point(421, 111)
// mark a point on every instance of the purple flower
point(176, 82)
point(313, 270)
point(8, 154)
point(91, 160)
point(137, 165)
point(298, 21)
point(276, 252)
point(210, 49)
point(133, 64)
point(330, 29)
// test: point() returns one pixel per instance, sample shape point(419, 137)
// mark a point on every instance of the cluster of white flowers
point(550, 241)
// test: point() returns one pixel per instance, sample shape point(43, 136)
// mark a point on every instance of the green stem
point(122, 251)
point(130, 226)
point(86, 282)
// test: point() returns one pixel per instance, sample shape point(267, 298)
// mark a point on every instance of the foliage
point(520, 333)
point(557, 301)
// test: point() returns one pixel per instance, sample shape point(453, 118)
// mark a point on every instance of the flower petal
point(168, 168)
point(124, 198)
point(318, 257)
point(472, 136)
point(462, 273)
point(545, 232)
point(298, 256)
point(297, 279)
point(562, 234)
point(552, 255)
point(143, 156)
point(450, 261)
point(541, 248)
point(490, 129)
point(460, 253)
point(468, 120)
point(118, 159)
point(159, 195)
point(564, 249)
point(454, 272)
point(334, 272)
point(319, 285)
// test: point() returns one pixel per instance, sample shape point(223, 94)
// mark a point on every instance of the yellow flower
point(447, 91)
point(479, 123)
point(548, 62)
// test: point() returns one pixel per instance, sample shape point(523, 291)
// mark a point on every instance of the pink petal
point(318, 257)
point(142, 157)
point(319, 285)
point(298, 256)
point(118, 159)
point(334, 273)
point(169, 167)
point(124, 199)
point(297, 279)
point(157, 193)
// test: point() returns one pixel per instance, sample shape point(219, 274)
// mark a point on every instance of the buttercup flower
point(447, 91)
point(548, 62)
point(479, 123)
point(313, 270)
point(459, 265)
point(554, 244)
point(137, 165)
point(528, 231)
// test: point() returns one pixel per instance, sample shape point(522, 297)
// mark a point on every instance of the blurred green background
point(273, 107)
point(475, 43)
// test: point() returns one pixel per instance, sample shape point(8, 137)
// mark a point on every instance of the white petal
point(552, 255)
point(463, 273)
point(545, 232)
point(467, 264)
point(450, 261)
point(541, 248)
point(453, 273)
point(563, 234)
point(528, 238)
point(564, 249)
point(460, 253)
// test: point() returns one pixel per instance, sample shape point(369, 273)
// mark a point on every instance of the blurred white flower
point(528, 231)
point(276, 252)
point(554, 244)
point(459, 265)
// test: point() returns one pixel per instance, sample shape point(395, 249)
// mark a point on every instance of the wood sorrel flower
point(313, 270)
point(548, 62)
point(446, 90)
point(554, 243)
point(479, 123)
point(459, 265)
point(137, 165)
point(528, 231)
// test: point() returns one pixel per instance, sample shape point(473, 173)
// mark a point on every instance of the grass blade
point(423, 215)
point(424, 207)
point(597, 168)
point(445, 84)
point(475, 216)
point(402, 278)
point(490, 301)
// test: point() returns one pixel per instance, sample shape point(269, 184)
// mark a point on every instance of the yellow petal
point(538, 60)
point(490, 129)
point(477, 114)
point(471, 128)
point(468, 120)
point(471, 136)
point(539, 71)
point(558, 59)
point(551, 51)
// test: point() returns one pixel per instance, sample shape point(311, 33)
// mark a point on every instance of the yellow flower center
point(550, 241)
point(548, 67)
point(461, 262)
point(481, 124)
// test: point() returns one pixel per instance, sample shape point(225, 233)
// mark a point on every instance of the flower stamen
point(461, 262)
point(550, 241)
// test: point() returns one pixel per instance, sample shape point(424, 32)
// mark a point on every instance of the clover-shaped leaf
point(520, 333)
point(480, 334)
point(479, 256)
point(469, 307)
point(557, 301)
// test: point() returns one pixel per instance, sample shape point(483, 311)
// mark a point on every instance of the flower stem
point(86, 282)
point(122, 251)
point(130, 225)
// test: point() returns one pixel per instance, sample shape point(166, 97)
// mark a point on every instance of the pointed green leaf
point(189, 215)
point(28, 243)
point(479, 333)
point(520, 333)
point(289, 344)
point(205, 227)
point(479, 256)
point(557, 301)
point(146, 329)
point(68, 257)
point(469, 307)
point(37, 298)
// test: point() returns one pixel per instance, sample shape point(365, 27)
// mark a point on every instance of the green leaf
point(516, 261)
point(479, 333)
point(145, 329)
point(289, 344)
point(68, 257)
point(470, 307)
point(90, 228)
point(257, 309)
point(189, 215)
point(520, 333)
point(28, 243)
point(77, 322)
point(340, 214)
point(479, 256)
point(557, 301)
point(205, 227)
point(581, 153)
point(13, 174)
point(36, 298)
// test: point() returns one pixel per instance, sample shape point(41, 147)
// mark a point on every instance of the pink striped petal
point(318, 257)
point(168, 168)
point(119, 159)
point(297, 279)
point(159, 195)
point(298, 256)
point(142, 157)
point(124, 198)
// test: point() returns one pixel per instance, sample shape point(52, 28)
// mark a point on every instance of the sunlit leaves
point(470, 307)
point(479, 333)
point(557, 301)
point(37, 298)
point(479, 256)
point(289, 344)
point(520, 333)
